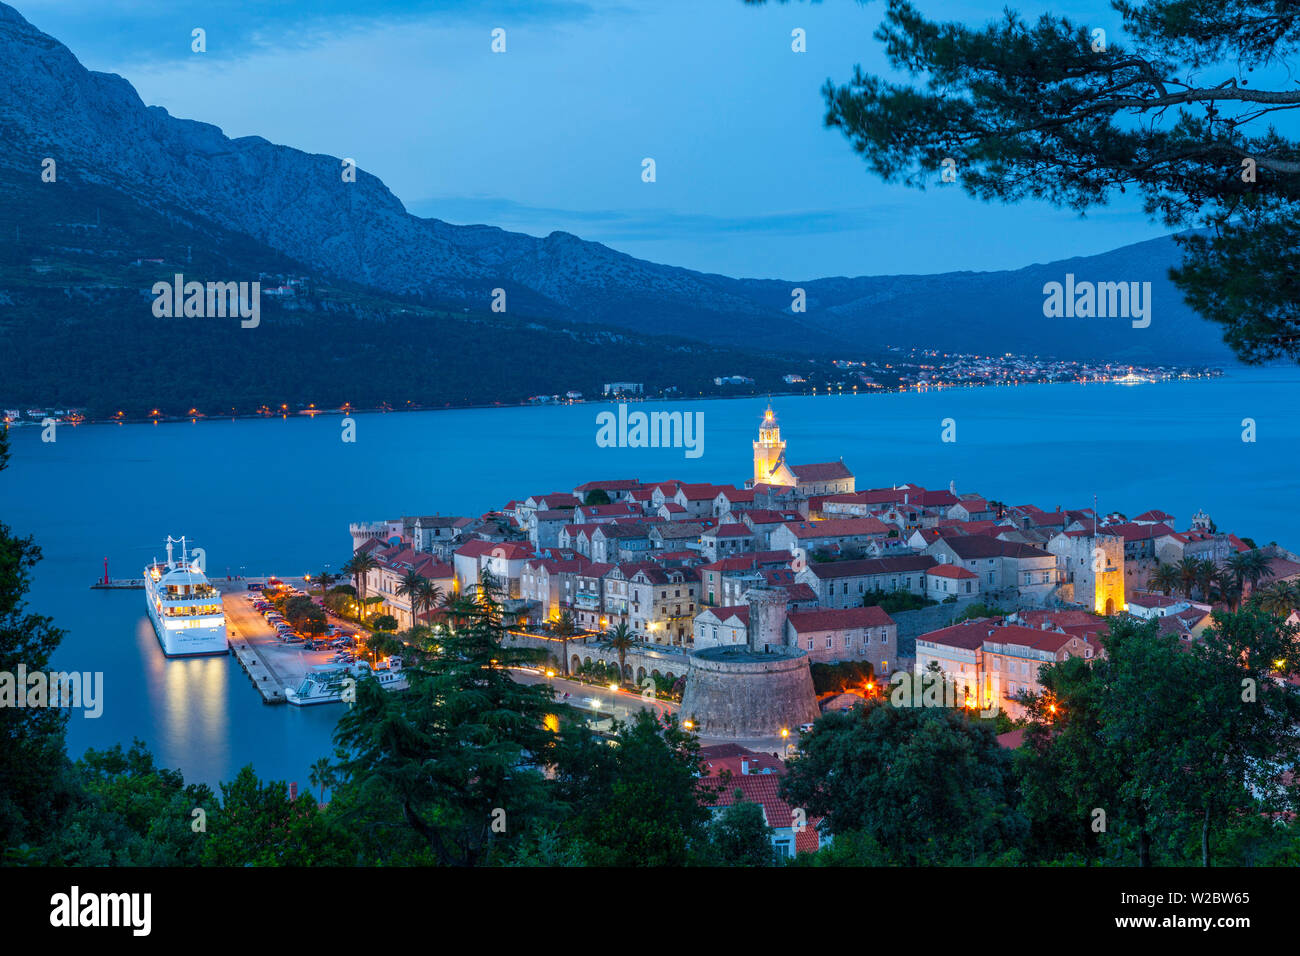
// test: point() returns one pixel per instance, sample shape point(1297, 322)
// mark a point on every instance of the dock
point(269, 664)
point(261, 673)
point(119, 584)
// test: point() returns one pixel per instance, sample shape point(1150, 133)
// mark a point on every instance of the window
point(810, 647)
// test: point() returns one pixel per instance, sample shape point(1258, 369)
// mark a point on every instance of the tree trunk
point(1205, 837)
point(1144, 839)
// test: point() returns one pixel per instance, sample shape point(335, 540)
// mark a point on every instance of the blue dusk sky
point(551, 134)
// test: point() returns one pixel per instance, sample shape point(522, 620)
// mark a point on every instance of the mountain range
point(298, 207)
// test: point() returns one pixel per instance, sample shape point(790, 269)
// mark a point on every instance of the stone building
point(756, 690)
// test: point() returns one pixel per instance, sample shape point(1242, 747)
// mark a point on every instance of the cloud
point(642, 225)
point(157, 31)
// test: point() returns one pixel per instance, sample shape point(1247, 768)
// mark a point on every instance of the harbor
point(270, 664)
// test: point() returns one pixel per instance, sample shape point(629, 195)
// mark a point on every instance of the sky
point(551, 134)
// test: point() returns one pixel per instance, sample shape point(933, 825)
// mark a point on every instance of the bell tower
point(769, 450)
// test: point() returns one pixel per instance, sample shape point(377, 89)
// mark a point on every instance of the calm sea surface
point(275, 497)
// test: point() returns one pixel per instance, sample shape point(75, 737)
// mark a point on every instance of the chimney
point(293, 791)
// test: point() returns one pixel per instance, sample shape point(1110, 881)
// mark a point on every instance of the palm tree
point(1229, 587)
point(565, 629)
point(325, 579)
point(409, 587)
point(1280, 598)
point(1165, 578)
point(428, 596)
point(1206, 576)
point(622, 640)
point(321, 775)
point(362, 563)
point(1248, 567)
point(1188, 568)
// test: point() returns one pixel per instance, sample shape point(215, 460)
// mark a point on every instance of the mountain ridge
point(99, 129)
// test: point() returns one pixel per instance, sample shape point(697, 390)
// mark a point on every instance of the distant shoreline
point(1210, 373)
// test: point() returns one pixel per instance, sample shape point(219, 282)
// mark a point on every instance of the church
point(770, 467)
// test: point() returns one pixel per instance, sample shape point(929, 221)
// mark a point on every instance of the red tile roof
point(950, 571)
point(835, 619)
point(837, 527)
point(823, 471)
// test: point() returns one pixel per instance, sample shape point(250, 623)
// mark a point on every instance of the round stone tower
point(756, 689)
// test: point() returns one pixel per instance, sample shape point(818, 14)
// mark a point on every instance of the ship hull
point(208, 639)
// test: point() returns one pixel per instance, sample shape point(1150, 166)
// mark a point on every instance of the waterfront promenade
point(270, 664)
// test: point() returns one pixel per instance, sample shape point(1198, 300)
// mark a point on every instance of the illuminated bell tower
point(769, 450)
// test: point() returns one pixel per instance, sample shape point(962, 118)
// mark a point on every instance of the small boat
point(328, 683)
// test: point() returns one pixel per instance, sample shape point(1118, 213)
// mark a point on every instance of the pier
point(270, 664)
point(264, 678)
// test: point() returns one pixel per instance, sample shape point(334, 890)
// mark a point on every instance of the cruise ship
point(185, 609)
point(326, 684)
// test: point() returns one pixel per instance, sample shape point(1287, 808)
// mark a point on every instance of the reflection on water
point(188, 700)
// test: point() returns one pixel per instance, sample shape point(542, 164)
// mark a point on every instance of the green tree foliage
point(836, 678)
point(740, 836)
point(129, 812)
point(1176, 107)
point(256, 824)
point(33, 763)
point(927, 785)
point(892, 602)
point(1151, 751)
point(637, 803)
point(460, 754)
point(977, 610)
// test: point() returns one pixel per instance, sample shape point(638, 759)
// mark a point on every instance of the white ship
point(327, 683)
point(185, 609)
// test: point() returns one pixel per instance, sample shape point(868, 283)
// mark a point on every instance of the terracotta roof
point(616, 484)
point(822, 471)
point(730, 531)
point(738, 494)
point(749, 561)
point(1012, 739)
point(760, 788)
point(768, 516)
point(950, 571)
point(739, 611)
point(834, 619)
point(896, 564)
point(837, 527)
point(700, 492)
point(968, 547)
